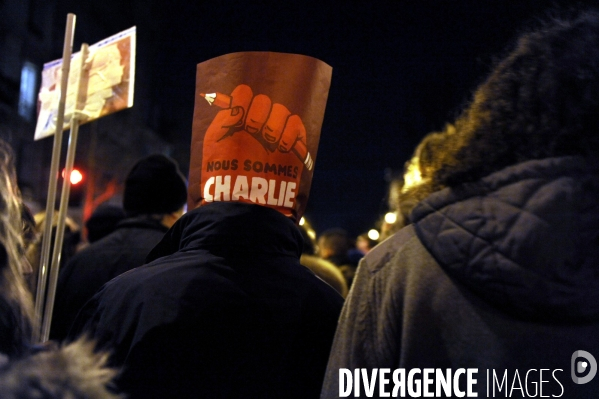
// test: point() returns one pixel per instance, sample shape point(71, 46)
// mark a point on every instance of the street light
point(373, 234)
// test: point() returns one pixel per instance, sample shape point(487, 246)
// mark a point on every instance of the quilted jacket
point(501, 275)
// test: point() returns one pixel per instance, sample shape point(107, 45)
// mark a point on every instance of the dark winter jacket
point(88, 270)
point(501, 275)
point(223, 310)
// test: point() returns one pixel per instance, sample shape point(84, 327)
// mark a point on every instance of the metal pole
point(47, 237)
point(64, 198)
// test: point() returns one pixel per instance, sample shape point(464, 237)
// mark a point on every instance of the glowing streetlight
point(390, 217)
point(373, 234)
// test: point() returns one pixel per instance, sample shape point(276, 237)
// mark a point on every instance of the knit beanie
point(154, 185)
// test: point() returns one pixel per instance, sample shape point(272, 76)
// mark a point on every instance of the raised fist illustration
point(272, 125)
point(253, 150)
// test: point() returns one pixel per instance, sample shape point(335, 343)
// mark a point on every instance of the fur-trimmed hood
point(72, 371)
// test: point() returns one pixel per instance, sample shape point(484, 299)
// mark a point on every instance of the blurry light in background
point(76, 176)
point(307, 228)
point(390, 217)
point(373, 234)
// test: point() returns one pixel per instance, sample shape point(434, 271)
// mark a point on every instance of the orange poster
point(256, 128)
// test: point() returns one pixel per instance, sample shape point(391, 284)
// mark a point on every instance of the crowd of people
point(492, 264)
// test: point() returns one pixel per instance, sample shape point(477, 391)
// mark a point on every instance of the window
point(27, 93)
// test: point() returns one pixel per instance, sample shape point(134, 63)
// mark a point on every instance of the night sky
point(400, 70)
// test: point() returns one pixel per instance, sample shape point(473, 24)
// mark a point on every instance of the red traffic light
point(76, 176)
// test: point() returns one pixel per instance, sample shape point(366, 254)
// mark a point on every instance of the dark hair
point(540, 101)
point(335, 239)
point(428, 157)
point(16, 306)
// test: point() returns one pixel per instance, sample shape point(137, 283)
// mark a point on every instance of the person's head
point(364, 243)
point(72, 233)
point(17, 304)
point(156, 187)
point(70, 244)
point(425, 159)
point(419, 170)
point(540, 101)
point(333, 244)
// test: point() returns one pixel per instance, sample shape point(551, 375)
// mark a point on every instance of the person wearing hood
point(153, 199)
point(497, 273)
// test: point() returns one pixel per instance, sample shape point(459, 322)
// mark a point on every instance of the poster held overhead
point(256, 128)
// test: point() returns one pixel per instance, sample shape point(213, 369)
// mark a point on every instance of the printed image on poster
point(107, 82)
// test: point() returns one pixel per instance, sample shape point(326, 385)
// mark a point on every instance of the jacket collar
point(232, 229)
point(142, 222)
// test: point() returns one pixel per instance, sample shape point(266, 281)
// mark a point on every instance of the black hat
point(154, 185)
